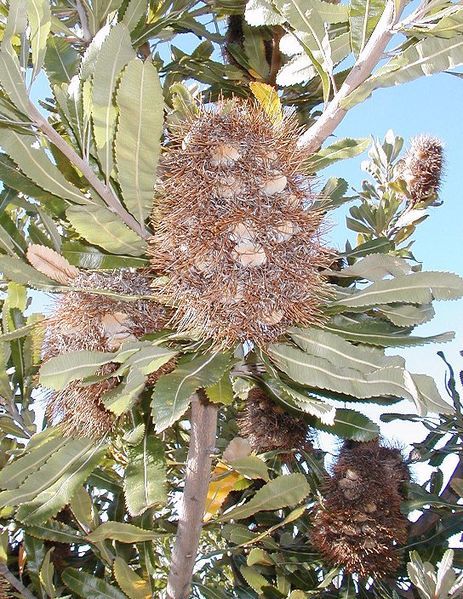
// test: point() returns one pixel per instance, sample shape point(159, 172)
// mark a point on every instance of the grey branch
point(15, 583)
point(313, 138)
point(198, 472)
point(83, 22)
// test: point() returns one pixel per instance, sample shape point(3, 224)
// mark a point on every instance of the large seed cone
point(358, 525)
point(422, 167)
point(86, 321)
point(235, 231)
point(268, 427)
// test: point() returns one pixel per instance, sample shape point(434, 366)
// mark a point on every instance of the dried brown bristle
point(90, 321)
point(235, 231)
point(268, 427)
point(358, 525)
point(422, 167)
point(6, 592)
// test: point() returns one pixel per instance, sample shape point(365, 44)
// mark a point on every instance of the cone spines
point(90, 321)
point(422, 168)
point(358, 525)
point(235, 233)
point(268, 427)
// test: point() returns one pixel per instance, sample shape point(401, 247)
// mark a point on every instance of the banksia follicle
point(358, 525)
point(88, 321)
point(234, 229)
point(422, 167)
point(268, 427)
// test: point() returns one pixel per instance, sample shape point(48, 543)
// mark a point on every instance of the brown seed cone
point(235, 232)
point(358, 525)
point(86, 321)
point(267, 426)
point(6, 592)
point(422, 167)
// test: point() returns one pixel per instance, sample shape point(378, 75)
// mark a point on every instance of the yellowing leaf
point(222, 483)
point(268, 98)
point(50, 263)
point(132, 585)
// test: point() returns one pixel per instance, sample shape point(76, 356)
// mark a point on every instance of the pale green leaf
point(16, 270)
point(375, 267)
point(407, 315)
point(255, 580)
point(122, 398)
point(122, 532)
point(89, 257)
point(55, 531)
point(47, 572)
point(251, 467)
point(116, 51)
point(61, 370)
point(83, 509)
point(339, 150)
point(261, 12)
point(284, 491)
point(16, 23)
point(12, 81)
point(349, 424)
point(222, 391)
point(88, 586)
point(140, 102)
point(145, 475)
point(132, 585)
point(102, 227)
point(135, 11)
point(172, 393)
point(61, 60)
point(363, 18)
point(39, 16)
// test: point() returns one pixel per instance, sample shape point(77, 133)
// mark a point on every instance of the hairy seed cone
point(267, 426)
point(358, 525)
point(422, 167)
point(234, 229)
point(86, 321)
point(6, 591)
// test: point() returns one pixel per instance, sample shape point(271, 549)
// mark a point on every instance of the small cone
point(358, 525)
point(268, 427)
point(422, 167)
point(86, 321)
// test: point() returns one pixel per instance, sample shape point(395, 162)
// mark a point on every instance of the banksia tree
point(358, 524)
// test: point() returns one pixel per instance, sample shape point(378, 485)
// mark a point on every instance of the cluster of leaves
point(96, 519)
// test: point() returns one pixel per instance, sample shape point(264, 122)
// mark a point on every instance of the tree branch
point(198, 473)
point(369, 57)
point(15, 583)
point(83, 22)
point(84, 167)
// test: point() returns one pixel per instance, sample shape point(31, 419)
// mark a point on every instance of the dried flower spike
point(89, 321)
point(268, 427)
point(235, 231)
point(422, 167)
point(358, 525)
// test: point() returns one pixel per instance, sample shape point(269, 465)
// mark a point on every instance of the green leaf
point(12, 82)
point(18, 271)
point(221, 392)
point(349, 424)
point(35, 164)
point(262, 12)
point(381, 245)
point(88, 586)
point(284, 491)
point(16, 23)
point(140, 102)
point(375, 267)
point(255, 580)
point(59, 371)
point(55, 531)
point(415, 288)
point(363, 18)
point(407, 315)
point(132, 585)
point(88, 257)
point(116, 51)
point(171, 396)
point(122, 532)
point(102, 227)
point(251, 467)
point(39, 17)
point(254, 46)
point(61, 60)
point(136, 10)
point(145, 475)
point(46, 575)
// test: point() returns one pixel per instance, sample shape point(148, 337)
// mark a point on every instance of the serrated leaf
point(12, 82)
point(102, 227)
point(39, 17)
point(132, 585)
point(255, 580)
point(35, 164)
point(418, 287)
point(115, 52)
point(223, 482)
point(51, 264)
point(250, 467)
point(18, 271)
point(89, 257)
point(284, 491)
point(407, 315)
point(135, 11)
point(254, 47)
point(145, 475)
point(16, 22)
point(140, 103)
point(363, 18)
point(375, 267)
point(172, 393)
point(46, 574)
point(61, 60)
point(122, 532)
point(221, 392)
point(55, 531)
point(261, 12)
point(59, 371)
point(88, 586)
point(269, 100)
point(349, 424)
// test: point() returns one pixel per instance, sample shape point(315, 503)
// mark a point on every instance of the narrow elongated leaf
point(16, 22)
point(363, 18)
point(251, 467)
point(88, 257)
point(339, 150)
point(102, 227)
point(61, 60)
point(35, 164)
point(39, 17)
point(172, 392)
point(140, 102)
point(254, 579)
point(268, 98)
point(135, 11)
point(407, 315)
point(350, 424)
point(55, 531)
point(59, 371)
point(122, 532)
point(88, 586)
point(132, 585)
point(12, 82)
point(375, 267)
point(18, 271)
point(145, 475)
point(284, 491)
point(116, 51)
